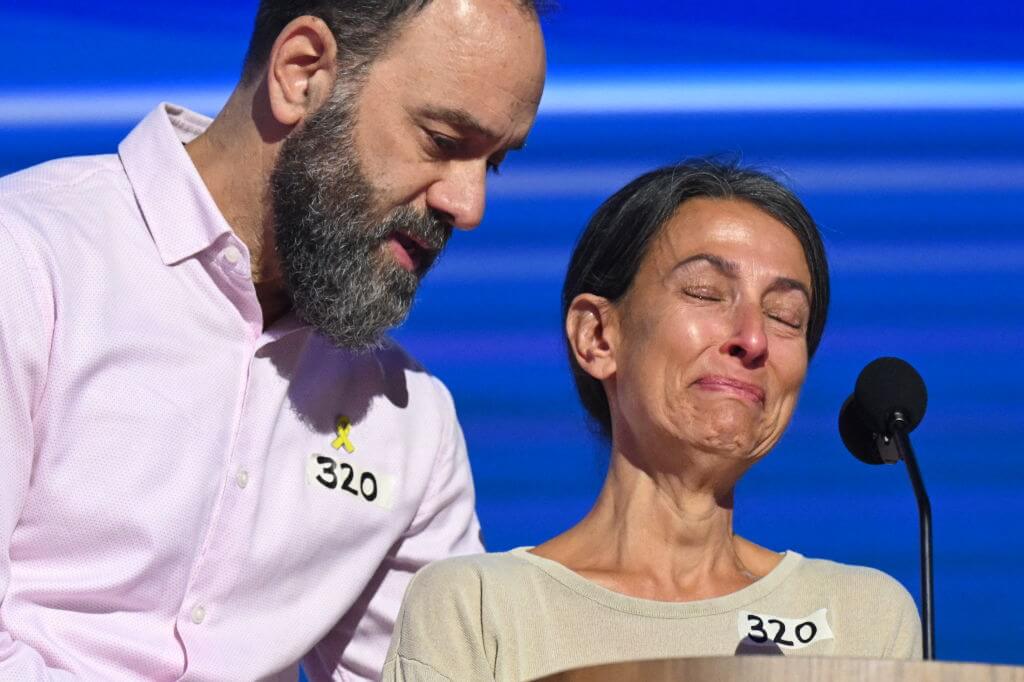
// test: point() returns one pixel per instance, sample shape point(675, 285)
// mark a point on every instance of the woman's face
point(711, 350)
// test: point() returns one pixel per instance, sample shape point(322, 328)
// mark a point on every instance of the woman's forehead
point(731, 231)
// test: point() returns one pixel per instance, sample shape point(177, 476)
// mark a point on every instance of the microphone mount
point(888, 443)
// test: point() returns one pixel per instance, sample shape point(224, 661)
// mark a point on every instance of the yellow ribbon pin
point(343, 441)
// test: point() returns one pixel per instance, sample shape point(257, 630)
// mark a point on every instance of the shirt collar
point(175, 203)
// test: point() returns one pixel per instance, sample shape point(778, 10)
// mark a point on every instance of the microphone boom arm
point(901, 440)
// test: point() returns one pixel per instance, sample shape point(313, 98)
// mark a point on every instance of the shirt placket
point(198, 611)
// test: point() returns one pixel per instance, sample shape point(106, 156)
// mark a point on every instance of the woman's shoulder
point(870, 612)
point(453, 613)
point(851, 579)
point(468, 574)
point(488, 563)
point(867, 601)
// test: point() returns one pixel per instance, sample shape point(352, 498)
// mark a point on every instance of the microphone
point(889, 393)
point(875, 421)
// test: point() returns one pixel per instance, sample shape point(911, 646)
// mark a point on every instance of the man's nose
point(459, 196)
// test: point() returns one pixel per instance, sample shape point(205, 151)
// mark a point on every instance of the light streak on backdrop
point(886, 88)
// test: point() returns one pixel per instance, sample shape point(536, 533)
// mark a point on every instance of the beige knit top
point(518, 616)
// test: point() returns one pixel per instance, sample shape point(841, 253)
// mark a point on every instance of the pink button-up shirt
point(183, 494)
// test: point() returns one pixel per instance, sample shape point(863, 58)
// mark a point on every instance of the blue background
point(900, 124)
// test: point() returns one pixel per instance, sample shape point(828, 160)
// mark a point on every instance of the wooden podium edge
point(789, 669)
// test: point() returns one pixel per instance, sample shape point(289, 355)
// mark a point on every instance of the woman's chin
point(733, 448)
point(730, 430)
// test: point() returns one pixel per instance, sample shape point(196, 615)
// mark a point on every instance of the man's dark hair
point(618, 236)
point(362, 28)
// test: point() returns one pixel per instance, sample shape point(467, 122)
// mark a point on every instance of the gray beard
point(333, 250)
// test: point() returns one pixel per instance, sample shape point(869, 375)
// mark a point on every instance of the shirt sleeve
point(26, 326)
point(445, 525)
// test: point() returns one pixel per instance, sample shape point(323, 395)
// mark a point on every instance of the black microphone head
point(856, 435)
point(888, 385)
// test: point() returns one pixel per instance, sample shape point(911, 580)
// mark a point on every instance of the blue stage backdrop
point(900, 124)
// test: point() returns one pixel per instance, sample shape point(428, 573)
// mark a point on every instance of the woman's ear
point(592, 328)
point(301, 69)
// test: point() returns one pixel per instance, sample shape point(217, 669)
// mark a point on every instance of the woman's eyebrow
point(726, 267)
point(731, 269)
point(790, 284)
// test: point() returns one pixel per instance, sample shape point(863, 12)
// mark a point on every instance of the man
point(214, 462)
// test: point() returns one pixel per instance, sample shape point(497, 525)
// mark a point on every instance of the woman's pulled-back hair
point(618, 237)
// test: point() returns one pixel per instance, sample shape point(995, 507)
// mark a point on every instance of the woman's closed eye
point(702, 293)
point(793, 318)
point(787, 319)
point(788, 309)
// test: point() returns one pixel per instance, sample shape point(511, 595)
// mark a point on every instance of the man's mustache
point(428, 229)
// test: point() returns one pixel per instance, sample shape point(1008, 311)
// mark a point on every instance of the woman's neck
point(662, 535)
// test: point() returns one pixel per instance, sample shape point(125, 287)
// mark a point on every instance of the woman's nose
point(748, 341)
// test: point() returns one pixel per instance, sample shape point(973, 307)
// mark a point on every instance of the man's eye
point(494, 163)
point(444, 143)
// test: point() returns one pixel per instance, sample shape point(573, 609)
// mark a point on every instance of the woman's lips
point(742, 389)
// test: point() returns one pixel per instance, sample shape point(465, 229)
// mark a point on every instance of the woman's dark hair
point(618, 236)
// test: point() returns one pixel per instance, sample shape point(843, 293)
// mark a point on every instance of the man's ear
point(301, 69)
point(592, 329)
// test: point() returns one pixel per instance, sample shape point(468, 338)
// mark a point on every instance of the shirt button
point(232, 255)
point(198, 614)
point(242, 479)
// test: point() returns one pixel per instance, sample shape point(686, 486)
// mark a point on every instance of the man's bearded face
point(333, 237)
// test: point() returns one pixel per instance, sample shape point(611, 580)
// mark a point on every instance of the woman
point(693, 302)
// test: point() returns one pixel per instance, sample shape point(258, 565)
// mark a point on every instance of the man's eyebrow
point(730, 269)
point(464, 121)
